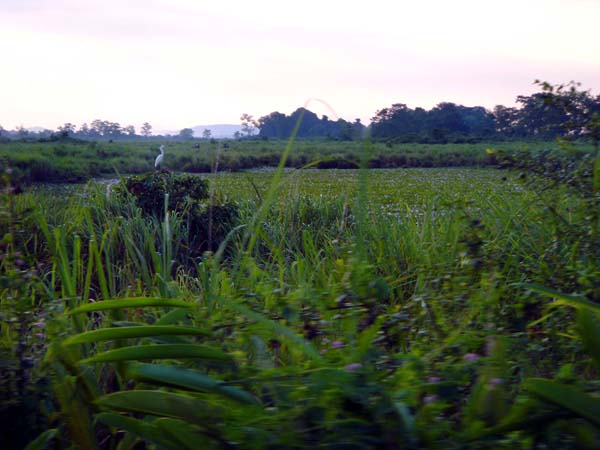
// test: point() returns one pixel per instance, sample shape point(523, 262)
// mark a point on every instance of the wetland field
point(418, 307)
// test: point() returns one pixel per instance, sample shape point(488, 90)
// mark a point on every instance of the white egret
point(159, 158)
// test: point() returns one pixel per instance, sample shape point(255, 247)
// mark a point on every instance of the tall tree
point(67, 129)
point(84, 130)
point(579, 110)
point(249, 125)
point(22, 132)
point(106, 129)
point(280, 126)
point(146, 129)
point(506, 121)
point(186, 134)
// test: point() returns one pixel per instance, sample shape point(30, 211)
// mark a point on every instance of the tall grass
point(357, 309)
point(77, 162)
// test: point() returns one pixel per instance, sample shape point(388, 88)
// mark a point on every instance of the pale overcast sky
point(179, 63)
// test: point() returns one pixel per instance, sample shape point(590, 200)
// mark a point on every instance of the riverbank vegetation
point(60, 162)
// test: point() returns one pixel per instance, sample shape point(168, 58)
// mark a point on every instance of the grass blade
point(134, 302)
point(188, 379)
point(589, 330)
point(566, 397)
point(165, 351)
point(109, 334)
point(158, 403)
point(41, 442)
point(144, 430)
point(187, 436)
point(575, 301)
point(282, 330)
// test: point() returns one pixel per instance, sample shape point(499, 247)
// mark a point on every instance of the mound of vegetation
point(207, 221)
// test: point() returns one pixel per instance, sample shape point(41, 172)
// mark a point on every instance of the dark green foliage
point(279, 126)
point(209, 225)
point(24, 390)
point(447, 122)
point(206, 220)
point(558, 167)
point(561, 110)
point(149, 191)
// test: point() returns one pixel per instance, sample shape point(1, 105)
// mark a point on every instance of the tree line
point(281, 126)
point(556, 110)
point(561, 110)
point(96, 130)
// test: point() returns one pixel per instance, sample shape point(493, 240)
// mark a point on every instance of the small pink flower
point(337, 344)
point(323, 351)
point(40, 324)
point(40, 335)
point(495, 382)
point(19, 262)
point(471, 357)
point(434, 379)
point(430, 399)
point(353, 367)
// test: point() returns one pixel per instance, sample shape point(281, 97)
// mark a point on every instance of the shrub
point(149, 191)
point(208, 221)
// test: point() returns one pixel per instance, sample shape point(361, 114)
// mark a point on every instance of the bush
point(208, 222)
point(149, 191)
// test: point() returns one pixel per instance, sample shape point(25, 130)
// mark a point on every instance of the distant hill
point(217, 131)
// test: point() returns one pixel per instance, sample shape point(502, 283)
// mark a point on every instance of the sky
point(181, 63)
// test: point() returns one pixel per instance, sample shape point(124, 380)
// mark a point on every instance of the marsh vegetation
point(400, 308)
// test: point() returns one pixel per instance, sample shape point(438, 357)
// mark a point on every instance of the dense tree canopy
point(443, 123)
point(561, 110)
point(278, 125)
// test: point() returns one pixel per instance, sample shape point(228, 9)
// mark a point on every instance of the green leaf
point(188, 379)
point(41, 442)
point(177, 315)
point(164, 351)
point(188, 436)
point(126, 323)
point(109, 334)
point(136, 302)
point(128, 442)
point(567, 397)
point(575, 301)
point(589, 330)
point(527, 413)
point(144, 430)
point(161, 404)
point(408, 420)
point(285, 332)
point(365, 339)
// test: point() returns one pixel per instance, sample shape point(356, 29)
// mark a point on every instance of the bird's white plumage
point(159, 159)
